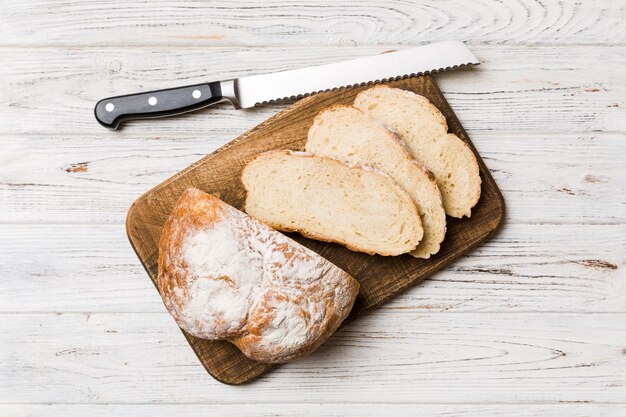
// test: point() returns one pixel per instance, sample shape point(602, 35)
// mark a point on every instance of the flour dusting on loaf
point(224, 275)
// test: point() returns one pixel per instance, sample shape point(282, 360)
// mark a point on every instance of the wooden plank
point(52, 91)
point(545, 178)
point(387, 356)
point(524, 268)
point(301, 410)
point(303, 22)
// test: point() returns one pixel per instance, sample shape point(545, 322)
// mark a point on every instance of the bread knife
point(269, 88)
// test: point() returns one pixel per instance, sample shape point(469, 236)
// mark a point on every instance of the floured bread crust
point(224, 275)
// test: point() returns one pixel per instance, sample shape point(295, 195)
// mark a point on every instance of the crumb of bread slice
point(326, 199)
point(424, 130)
point(348, 134)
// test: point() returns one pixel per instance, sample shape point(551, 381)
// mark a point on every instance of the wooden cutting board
point(381, 278)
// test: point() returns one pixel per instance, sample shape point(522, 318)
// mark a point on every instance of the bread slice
point(326, 199)
point(424, 130)
point(346, 133)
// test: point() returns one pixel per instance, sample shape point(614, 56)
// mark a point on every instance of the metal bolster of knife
point(111, 112)
point(230, 92)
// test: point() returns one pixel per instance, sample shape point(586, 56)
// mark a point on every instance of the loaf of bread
point(346, 133)
point(224, 275)
point(326, 199)
point(425, 131)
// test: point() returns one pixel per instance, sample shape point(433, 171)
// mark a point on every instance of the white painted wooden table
point(532, 323)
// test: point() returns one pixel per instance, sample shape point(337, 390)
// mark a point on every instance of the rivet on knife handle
point(112, 111)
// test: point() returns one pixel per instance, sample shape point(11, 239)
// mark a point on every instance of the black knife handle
point(112, 111)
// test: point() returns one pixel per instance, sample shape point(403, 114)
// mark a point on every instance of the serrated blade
point(266, 88)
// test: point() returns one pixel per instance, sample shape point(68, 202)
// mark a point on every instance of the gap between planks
point(348, 402)
point(391, 46)
point(118, 135)
point(422, 311)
